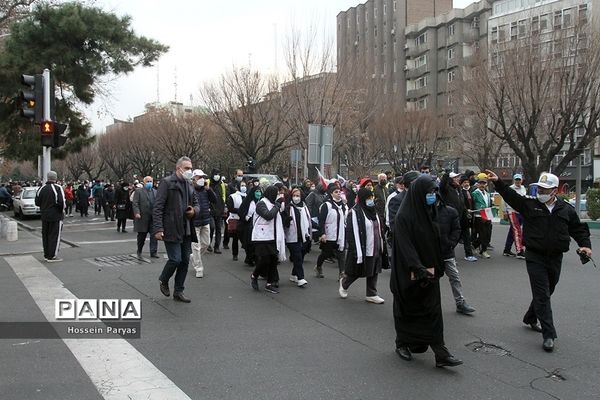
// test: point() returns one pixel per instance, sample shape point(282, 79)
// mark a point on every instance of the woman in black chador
point(418, 265)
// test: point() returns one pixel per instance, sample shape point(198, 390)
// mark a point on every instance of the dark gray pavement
point(234, 343)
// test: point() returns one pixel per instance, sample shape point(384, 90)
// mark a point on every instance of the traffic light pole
point(46, 150)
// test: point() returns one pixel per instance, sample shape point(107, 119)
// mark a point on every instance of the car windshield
point(29, 194)
point(271, 179)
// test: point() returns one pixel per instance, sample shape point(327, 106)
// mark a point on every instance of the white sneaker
point(55, 259)
point(374, 299)
point(471, 258)
point(302, 282)
point(343, 292)
point(293, 278)
point(199, 274)
point(485, 254)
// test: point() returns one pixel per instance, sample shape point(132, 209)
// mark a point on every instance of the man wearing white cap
point(548, 225)
point(515, 233)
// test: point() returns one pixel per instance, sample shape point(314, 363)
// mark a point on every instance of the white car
point(24, 203)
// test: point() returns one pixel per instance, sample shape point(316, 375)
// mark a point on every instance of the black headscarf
point(363, 195)
point(271, 193)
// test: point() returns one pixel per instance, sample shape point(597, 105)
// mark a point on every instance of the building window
point(502, 33)
point(451, 29)
point(375, 12)
point(494, 35)
point(545, 22)
point(513, 31)
point(567, 18)
point(421, 61)
point(450, 99)
point(583, 17)
point(422, 103)
point(535, 24)
point(421, 82)
point(375, 31)
point(395, 65)
point(450, 122)
point(385, 9)
point(395, 5)
point(421, 39)
point(395, 87)
point(450, 53)
point(366, 15)
point(558, 20)
point(522, 28)
point(451, 75)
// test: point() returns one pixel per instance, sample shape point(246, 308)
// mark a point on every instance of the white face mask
point(217, 178)
point(188, 174)
point(545, 198)
point(296, 199)
point(238, 178)
point(201, 182)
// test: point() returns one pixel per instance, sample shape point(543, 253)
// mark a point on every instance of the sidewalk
point(28, 243)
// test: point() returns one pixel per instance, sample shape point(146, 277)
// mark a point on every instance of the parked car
point(271, 179)
point(24, 203)
point(582, 202)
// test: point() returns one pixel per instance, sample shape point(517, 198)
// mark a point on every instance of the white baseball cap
point(453, 175)
point(547, 181)
point(198, 172)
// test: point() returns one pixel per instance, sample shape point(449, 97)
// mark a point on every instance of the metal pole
point(322, 146)
point(46, 164)
point(297, 160)
point(578, 186)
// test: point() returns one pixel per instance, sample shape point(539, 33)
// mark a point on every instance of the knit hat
point(410, 176)
point(52, 176)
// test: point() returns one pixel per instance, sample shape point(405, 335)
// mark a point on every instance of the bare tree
point(13, 10)
point(174, 136)
point(541, 95)
point(88, 161)
point(250, 112)
point(112, 150)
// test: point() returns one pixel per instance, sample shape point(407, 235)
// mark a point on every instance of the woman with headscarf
point(246, 213)
point(418, 265)
point(332, 230)
point(123, 204)
point(268, 237)
point(364, 232)
point(298, 234)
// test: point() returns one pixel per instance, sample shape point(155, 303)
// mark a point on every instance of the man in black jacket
point(50, 198)
point(549, 223)
point(448, 223)
point(218, 208)
point(172, 216)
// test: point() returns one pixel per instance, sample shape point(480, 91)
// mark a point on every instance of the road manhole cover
point(118, 261)
point(487, 348)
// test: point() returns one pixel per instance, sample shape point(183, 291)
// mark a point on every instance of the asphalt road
point(304, 343)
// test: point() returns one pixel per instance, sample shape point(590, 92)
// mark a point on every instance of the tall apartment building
point(371, 42)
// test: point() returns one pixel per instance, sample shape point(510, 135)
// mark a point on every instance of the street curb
point(32, 229)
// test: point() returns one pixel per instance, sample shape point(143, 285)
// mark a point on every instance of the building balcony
point(418, 93)
point(416, 72)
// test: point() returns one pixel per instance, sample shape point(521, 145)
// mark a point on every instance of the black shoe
point(164, 289)
point(154, 255)
point(118, 229)
point(124, 231)
point(276, 284)
point(548, 345)
point(139, 254)
point(464, 308)
point(271, 289)
point(254, 282)
point(217, 251)
point(225, 247)
point(521, 255)
point(449, 361)
point(209, 249)
point(508, 253)
point(180, 297)
point(235, 258)
point(404, 353)
point(536, 327)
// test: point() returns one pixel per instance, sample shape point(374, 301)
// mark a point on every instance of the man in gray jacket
point(143, 204)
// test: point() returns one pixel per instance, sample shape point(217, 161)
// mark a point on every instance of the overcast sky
point(206, 38)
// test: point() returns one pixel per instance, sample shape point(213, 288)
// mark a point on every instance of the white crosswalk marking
point(115, 367)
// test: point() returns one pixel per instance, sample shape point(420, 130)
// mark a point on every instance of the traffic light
point(33, 98)
point(58, 138)
point(47, 129)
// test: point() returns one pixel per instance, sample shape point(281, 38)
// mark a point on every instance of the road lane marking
point(114, 366)
point(107, 241)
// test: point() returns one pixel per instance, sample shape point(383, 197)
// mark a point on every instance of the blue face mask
point(370, 203)
point(243, 189)
point(149, 185)
point(430, 199)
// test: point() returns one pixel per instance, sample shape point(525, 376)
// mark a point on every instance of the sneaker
point(53, 259)
point(293, 278)
point(343, 292)
point(464, 308)
point(485, 254)
point(471, 258)
point(319, 272)
point(209, 249)
point(374, 299)
point(271, 289)
point(254, 282)
point(199, 274)
point(217, 251)
point(521, 255)
point(302, 282)
point(508, 253)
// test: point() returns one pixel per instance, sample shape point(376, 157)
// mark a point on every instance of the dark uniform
point(546, 235)
point(50, 198)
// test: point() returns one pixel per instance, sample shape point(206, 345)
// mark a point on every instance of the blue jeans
point(179, 259)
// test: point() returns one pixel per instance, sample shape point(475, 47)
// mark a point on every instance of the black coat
point(370, 265)
point(448, 224)
point(417, 302)
point(545, 232)
point(122, 199)
point(168, 215)
point(452, 195)
point(218, 208)
point(50, 198)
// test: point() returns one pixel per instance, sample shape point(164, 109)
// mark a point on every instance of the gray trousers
point(454, 277)
point(371, 283)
